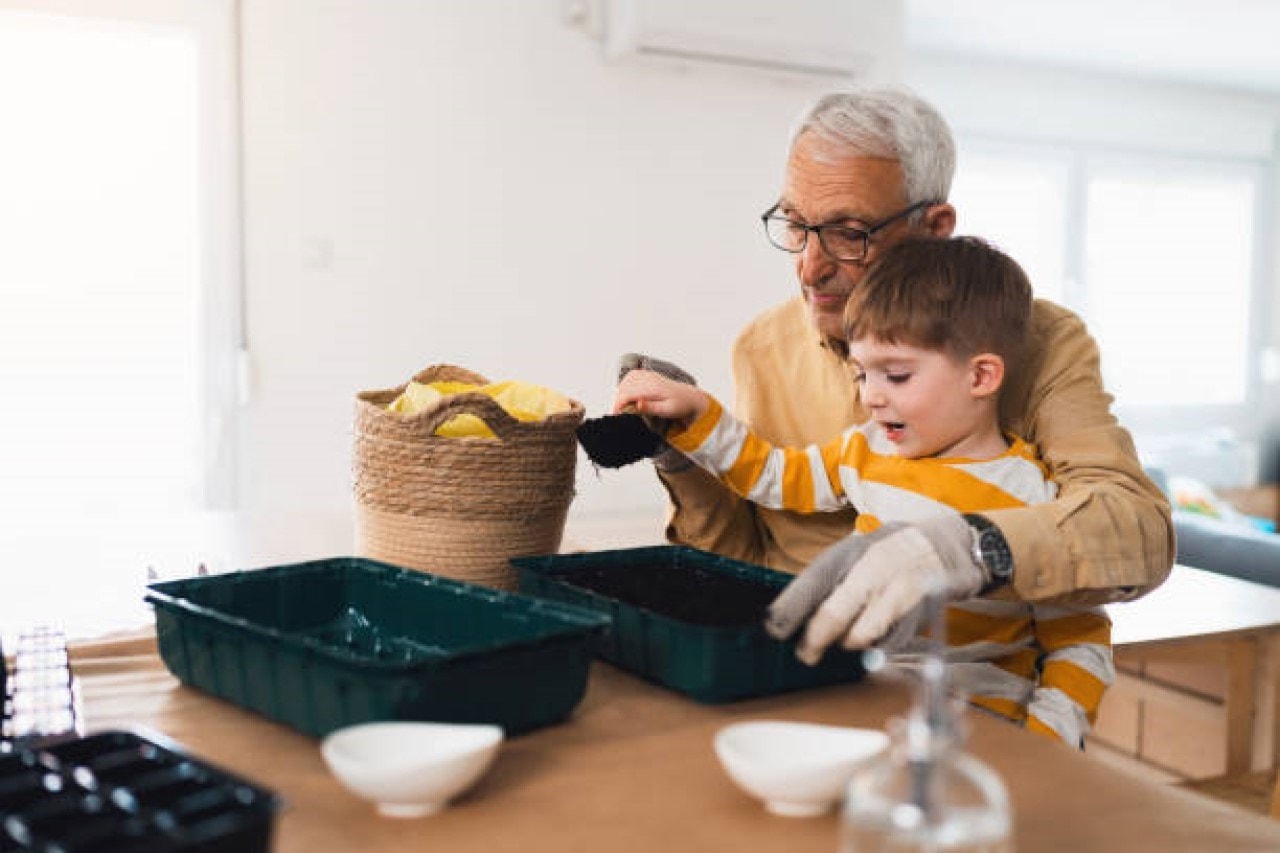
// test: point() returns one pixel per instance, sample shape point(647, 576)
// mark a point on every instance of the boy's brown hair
point(958, 295)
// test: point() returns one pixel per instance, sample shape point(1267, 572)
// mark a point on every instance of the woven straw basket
point(460, 507)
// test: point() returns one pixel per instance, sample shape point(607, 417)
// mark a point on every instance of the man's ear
point(986, 372)
point(939, 220)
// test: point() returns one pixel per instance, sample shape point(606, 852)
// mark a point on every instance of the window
point(1158, 253)
point(1169, 275)
point(118, 305)
point(99, 333)
point(1021, 203)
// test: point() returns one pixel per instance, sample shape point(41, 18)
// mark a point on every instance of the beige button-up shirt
point(1107, 537)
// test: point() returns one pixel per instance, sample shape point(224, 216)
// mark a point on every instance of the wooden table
point(633, 769)
point(1229, 626)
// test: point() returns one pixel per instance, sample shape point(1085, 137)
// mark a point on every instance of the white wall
point(470, 183)
point(1035, 103)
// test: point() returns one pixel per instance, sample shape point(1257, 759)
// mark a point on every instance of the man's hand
point(667, 459)
point(633, 360)
point(871, 590)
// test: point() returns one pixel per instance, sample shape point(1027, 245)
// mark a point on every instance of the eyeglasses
point(839, 241)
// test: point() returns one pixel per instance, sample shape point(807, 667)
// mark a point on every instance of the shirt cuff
point(691, 438)
point(1042, 565)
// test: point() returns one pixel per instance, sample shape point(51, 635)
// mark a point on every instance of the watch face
point(995, 552)
point(991, 551)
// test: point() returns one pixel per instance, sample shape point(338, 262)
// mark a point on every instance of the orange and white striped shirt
point(1043, 665)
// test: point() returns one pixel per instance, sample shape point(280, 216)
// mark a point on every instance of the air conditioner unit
point(824, 38)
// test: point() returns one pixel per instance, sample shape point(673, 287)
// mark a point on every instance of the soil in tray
point(685, 593)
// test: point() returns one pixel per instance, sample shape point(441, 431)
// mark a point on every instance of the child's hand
point(650, 393)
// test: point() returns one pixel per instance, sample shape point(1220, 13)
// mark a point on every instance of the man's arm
point(705, 514)
point(1108, 536)
point(793, 392)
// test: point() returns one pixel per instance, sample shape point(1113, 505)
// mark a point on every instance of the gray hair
point(888, 122)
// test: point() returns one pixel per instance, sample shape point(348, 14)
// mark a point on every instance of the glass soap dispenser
point(924, 793)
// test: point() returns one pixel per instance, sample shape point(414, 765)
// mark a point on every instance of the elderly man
point(864, 170)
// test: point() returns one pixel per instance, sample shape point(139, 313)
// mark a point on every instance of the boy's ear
point(986, 371)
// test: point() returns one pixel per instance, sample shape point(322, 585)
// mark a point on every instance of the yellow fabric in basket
point(522, 400)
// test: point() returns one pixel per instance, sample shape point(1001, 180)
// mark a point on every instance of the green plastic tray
point(711, 663)
point(330, 643)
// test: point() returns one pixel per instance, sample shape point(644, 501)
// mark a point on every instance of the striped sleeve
point(799, 479)
point(1077, 669)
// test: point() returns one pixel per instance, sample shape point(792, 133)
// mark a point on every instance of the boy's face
point(928, 403)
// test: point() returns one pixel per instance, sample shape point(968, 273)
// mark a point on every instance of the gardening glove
point(873, 590)
point(666, 458)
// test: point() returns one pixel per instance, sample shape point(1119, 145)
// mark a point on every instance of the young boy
point(932, 330)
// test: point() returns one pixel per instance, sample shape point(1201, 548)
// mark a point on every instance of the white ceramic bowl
point(797, 769)
point(410, 769)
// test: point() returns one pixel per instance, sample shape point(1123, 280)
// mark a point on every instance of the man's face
point(823, 186)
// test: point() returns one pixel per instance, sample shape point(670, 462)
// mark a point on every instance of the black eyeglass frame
point(862, 235)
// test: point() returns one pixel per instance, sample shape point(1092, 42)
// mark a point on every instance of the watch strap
point(991, 551)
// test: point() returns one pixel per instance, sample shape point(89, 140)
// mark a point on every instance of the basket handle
point(483, 406)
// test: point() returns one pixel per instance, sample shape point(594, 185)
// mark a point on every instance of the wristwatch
point(991, 551)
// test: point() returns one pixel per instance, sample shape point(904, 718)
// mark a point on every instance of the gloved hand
point(873, 589)
point(667, 458)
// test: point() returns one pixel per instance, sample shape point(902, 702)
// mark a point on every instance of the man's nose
point(813, 263)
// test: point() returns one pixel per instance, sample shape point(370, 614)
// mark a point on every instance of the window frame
point(1085, 161)
point(223, 347)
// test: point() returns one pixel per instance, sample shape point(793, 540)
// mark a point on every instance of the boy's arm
point(793, 393)
point(797, 479)
point(1077, 670)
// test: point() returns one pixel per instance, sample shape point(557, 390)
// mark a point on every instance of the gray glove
point(873, 590)
point(666, 459)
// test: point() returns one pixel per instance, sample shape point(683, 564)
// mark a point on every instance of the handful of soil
point(617, 440)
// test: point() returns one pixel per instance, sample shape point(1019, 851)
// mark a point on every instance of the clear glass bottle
point(924, 793)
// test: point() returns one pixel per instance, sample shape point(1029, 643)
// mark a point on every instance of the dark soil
point(684, 593)
point(617, 440)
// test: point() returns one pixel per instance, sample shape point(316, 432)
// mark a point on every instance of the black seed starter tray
point(686, 619)
point(123, 792)
point(330, 643)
